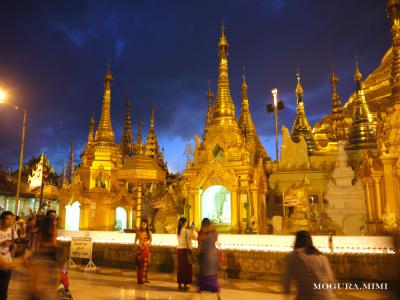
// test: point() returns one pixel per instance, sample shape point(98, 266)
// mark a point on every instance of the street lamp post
point(21, 155)
point(275, 108)
point(21, 159)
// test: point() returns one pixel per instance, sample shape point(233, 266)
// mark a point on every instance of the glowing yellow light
point(275, 94)
point(3, 96)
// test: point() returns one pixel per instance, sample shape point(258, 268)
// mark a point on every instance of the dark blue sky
point(53, 57)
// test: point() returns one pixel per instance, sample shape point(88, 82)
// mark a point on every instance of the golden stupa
point(106, 188)
point(226, 181)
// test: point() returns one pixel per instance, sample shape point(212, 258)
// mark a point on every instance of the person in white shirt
point(6, 241)
point(184, 253)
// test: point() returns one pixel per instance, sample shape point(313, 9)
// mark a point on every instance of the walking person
point(184, 253)
point(43, 264)
point(307, 266)
point(208, 258)
point(144, 236)
point(6, 261)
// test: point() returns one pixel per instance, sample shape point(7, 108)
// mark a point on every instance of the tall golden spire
point(362, 131)
point(245, 120)
point(127, 144)
point(224, 108)
point(301, 126)
point(91, 130)
point(208, 120)
point(105, 132)
point(338, 130)
point(152, 148)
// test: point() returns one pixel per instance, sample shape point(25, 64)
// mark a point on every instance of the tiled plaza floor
point(115, 284)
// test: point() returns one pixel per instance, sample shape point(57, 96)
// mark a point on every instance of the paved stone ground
point(113, 284)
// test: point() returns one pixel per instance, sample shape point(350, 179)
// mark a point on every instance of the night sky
point(53, 57)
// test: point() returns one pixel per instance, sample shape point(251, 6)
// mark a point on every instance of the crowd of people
point(30, 242)
point(33, 243)
point(305, 265)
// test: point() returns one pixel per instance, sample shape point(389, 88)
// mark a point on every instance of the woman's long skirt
point(184, 273)
point(143, 264)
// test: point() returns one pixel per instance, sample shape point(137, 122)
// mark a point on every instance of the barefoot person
point(143, 235)
point(208, 258)
point(184, 251)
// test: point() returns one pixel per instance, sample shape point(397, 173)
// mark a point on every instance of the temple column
point(139, 206)
point(370, 205)
point(195, 203)
point(84, 217)
point(389, 183)
point(130, 217)
point(236, 228)
point(255, 208)
point(376, 176)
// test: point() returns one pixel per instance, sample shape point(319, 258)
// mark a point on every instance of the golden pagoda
point(105, 191)
point(362, 131)
point(226, 181)
point(301, 126)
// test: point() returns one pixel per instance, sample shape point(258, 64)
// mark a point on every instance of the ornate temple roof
point(105, 131)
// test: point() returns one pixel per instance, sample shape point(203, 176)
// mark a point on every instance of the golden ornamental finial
point(108, 75)
point(210, 94)
point(299, 88)
point(244, 76)
point(334, 78)
point(223, 42)
point(357, 73)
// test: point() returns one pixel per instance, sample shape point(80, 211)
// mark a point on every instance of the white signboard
point(81, 247)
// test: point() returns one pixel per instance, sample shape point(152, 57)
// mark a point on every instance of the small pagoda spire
point(245, 120)
point(224, 108)
point(362, 131)
point(105, 131)
point(208, 120)
point(139, 138)
point(71, 163)
point(127, 144)
point(338, 130)
point(91, 129)
point(336, 103)
point(152, 148)
point(301, 126)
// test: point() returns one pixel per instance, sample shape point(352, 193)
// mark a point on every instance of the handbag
point(189, 253)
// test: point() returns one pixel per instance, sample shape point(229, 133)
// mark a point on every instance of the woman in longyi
point(144, 236)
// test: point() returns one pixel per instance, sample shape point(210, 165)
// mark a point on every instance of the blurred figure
point(32, 235)
point(184, 253)
point(6, 241)
point(144, 236)
point(43, 268)
point(208, 258)
point(308, 266)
